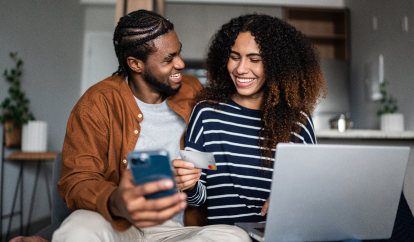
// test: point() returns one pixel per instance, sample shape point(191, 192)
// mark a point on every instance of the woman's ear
point(135, 65)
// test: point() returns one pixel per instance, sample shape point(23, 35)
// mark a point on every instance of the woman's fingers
point(265, 207)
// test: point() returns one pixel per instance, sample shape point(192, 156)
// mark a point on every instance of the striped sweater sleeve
point(194, 141)
point(306, 134)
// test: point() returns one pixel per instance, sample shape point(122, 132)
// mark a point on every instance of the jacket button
point(136, 131)
point(125, 161)
point(139, 115)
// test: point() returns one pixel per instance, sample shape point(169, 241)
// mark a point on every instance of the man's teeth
point(176, 75)
point(244, 80)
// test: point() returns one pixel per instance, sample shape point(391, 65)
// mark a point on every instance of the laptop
point(332, 193)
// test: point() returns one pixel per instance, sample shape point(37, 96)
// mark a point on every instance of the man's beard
point(164, 88)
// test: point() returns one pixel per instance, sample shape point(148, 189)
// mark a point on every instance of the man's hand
point(186, 175)
point(128, 201)
point(265, 207)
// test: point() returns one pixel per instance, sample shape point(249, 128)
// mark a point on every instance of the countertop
point(364, 134)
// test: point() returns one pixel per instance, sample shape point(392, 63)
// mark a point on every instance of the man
point(145, 105)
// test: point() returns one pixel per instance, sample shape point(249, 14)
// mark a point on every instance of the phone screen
point(151, 166)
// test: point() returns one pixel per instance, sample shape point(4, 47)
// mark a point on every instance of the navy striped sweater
point(237, 190)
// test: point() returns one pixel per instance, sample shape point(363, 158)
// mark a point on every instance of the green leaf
point(15, 107)
point(388, 103)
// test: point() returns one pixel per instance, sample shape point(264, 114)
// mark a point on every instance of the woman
point(264, 81)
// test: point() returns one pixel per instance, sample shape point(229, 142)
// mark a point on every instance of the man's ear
point(135, 64)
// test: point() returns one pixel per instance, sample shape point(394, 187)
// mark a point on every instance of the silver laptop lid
point(335, 192)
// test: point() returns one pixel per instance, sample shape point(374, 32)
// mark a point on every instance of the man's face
point(163, 67)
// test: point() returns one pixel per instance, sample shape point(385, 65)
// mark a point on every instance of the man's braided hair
point(133, 35)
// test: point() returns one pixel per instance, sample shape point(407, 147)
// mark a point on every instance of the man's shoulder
point(109, 83)
point(191, 83)
point(108, 90)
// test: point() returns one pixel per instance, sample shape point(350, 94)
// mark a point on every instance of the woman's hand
point(265, 207)
point(186, 176)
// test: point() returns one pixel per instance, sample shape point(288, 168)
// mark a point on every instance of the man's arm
point(89, 175)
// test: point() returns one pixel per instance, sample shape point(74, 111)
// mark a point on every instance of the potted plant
point(14, 109)
point(390, 120)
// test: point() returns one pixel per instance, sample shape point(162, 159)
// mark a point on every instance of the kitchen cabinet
point(327, 28)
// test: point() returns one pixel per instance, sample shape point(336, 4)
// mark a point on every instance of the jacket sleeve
point(194, 141)
point(84, 183)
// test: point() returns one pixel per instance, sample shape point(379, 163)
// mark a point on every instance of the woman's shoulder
point(216, 106)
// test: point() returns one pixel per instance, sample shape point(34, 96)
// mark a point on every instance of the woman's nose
point(242, 68)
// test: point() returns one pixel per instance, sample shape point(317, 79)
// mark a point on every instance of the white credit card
point(204, 160)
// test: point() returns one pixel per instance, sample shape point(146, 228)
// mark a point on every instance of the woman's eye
point(234, 58)
point(255, 61)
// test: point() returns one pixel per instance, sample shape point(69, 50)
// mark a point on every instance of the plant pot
point(392, 122)
point(34, 136)
point(12, 135)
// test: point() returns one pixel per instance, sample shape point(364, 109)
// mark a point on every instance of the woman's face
point(245, 67)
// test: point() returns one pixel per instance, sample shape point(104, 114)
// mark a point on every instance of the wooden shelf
point(326, 28)
point(32, 156)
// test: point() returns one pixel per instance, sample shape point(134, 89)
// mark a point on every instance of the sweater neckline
point(253, 112)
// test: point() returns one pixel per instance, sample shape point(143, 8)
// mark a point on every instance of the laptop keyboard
point(260, 229)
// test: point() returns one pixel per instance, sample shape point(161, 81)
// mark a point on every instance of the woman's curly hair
point(294, 78)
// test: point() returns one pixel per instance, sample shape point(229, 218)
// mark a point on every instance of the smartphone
point(148, 166)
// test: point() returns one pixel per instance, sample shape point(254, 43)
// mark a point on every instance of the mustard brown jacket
point(103, 127)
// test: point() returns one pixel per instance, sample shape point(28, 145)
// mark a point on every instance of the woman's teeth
point(244, 80)
point(175, 75)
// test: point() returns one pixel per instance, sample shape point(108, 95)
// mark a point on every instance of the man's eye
point(169, 60)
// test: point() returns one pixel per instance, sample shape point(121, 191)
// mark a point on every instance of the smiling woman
point(271, 67)
point(246, 69)
point(263, 82)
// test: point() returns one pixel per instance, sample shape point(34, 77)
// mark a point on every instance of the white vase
point(392, 122)
point(34, 136)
